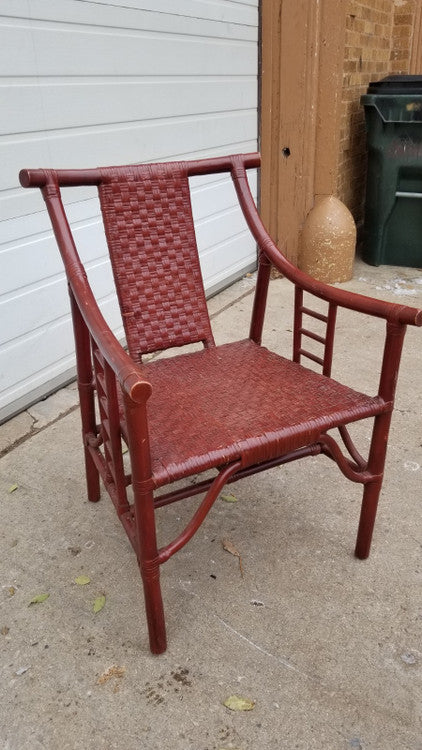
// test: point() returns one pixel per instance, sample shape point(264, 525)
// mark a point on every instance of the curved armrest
point(128, 374)
point(358, 302)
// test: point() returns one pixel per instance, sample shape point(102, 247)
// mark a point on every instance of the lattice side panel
point(300, 331)
point(110, 431)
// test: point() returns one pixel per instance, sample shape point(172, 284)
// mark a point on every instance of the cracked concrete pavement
point(327, 648)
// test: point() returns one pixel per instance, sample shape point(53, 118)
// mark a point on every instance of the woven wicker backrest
point(150, 233)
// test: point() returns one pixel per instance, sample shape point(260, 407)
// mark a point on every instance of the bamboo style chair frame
point(235, 408)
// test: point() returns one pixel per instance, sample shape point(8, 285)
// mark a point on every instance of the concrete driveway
point(327, 648)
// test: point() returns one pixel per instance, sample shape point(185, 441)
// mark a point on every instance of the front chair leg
point(372, 489)
point(150, 573)
point(149, 566)
point(368, 513)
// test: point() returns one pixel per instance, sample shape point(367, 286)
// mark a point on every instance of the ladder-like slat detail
point(314, 314)
point(312, 335)
point(113, 470)
point(313, 357)
point(326, 340)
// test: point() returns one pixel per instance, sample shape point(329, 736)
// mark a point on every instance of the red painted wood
point(238, 409)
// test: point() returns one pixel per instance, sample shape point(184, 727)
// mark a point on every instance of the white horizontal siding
point(102, 102)
point(88, 146)
point(229, 18)
point(73, 50)
point(88, 83)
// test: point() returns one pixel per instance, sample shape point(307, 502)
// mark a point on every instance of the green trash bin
point(393, 208)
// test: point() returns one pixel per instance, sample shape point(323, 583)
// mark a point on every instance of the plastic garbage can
point(393, 208)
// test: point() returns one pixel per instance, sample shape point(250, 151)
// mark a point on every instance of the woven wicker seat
point(263, 406)
point(237, 408)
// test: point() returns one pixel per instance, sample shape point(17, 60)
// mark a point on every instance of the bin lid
point(400, 84)
point(397, 108)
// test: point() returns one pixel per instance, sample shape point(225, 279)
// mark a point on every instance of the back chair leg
point(86, 396)
point(92, 474)
point(92, 478)
point(372, 490)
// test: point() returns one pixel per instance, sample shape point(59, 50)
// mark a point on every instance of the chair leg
point(150, 570)
point(92, 474)
point(368, 513)
point(154, 608)
point(92, 478)
point(372, 490)
point(86, 396)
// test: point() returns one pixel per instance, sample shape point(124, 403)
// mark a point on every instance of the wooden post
point(302, 65)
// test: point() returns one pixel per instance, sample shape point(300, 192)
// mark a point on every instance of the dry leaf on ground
point(113, 671)
point(229, 498)
point(99, 603)
point(38, 599)
point(229, 547)
point(238, 703)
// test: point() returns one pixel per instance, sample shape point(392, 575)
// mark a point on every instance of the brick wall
point(378, 43)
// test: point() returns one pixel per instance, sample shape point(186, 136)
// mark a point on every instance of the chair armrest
point(389, 311)
point(127, 372)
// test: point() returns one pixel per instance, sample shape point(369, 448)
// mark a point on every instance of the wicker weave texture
point(149, 228)
point(240, 401)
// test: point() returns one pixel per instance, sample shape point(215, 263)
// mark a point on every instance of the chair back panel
point(150, 233)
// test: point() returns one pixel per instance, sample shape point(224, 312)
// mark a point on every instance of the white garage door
point(88, 83)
